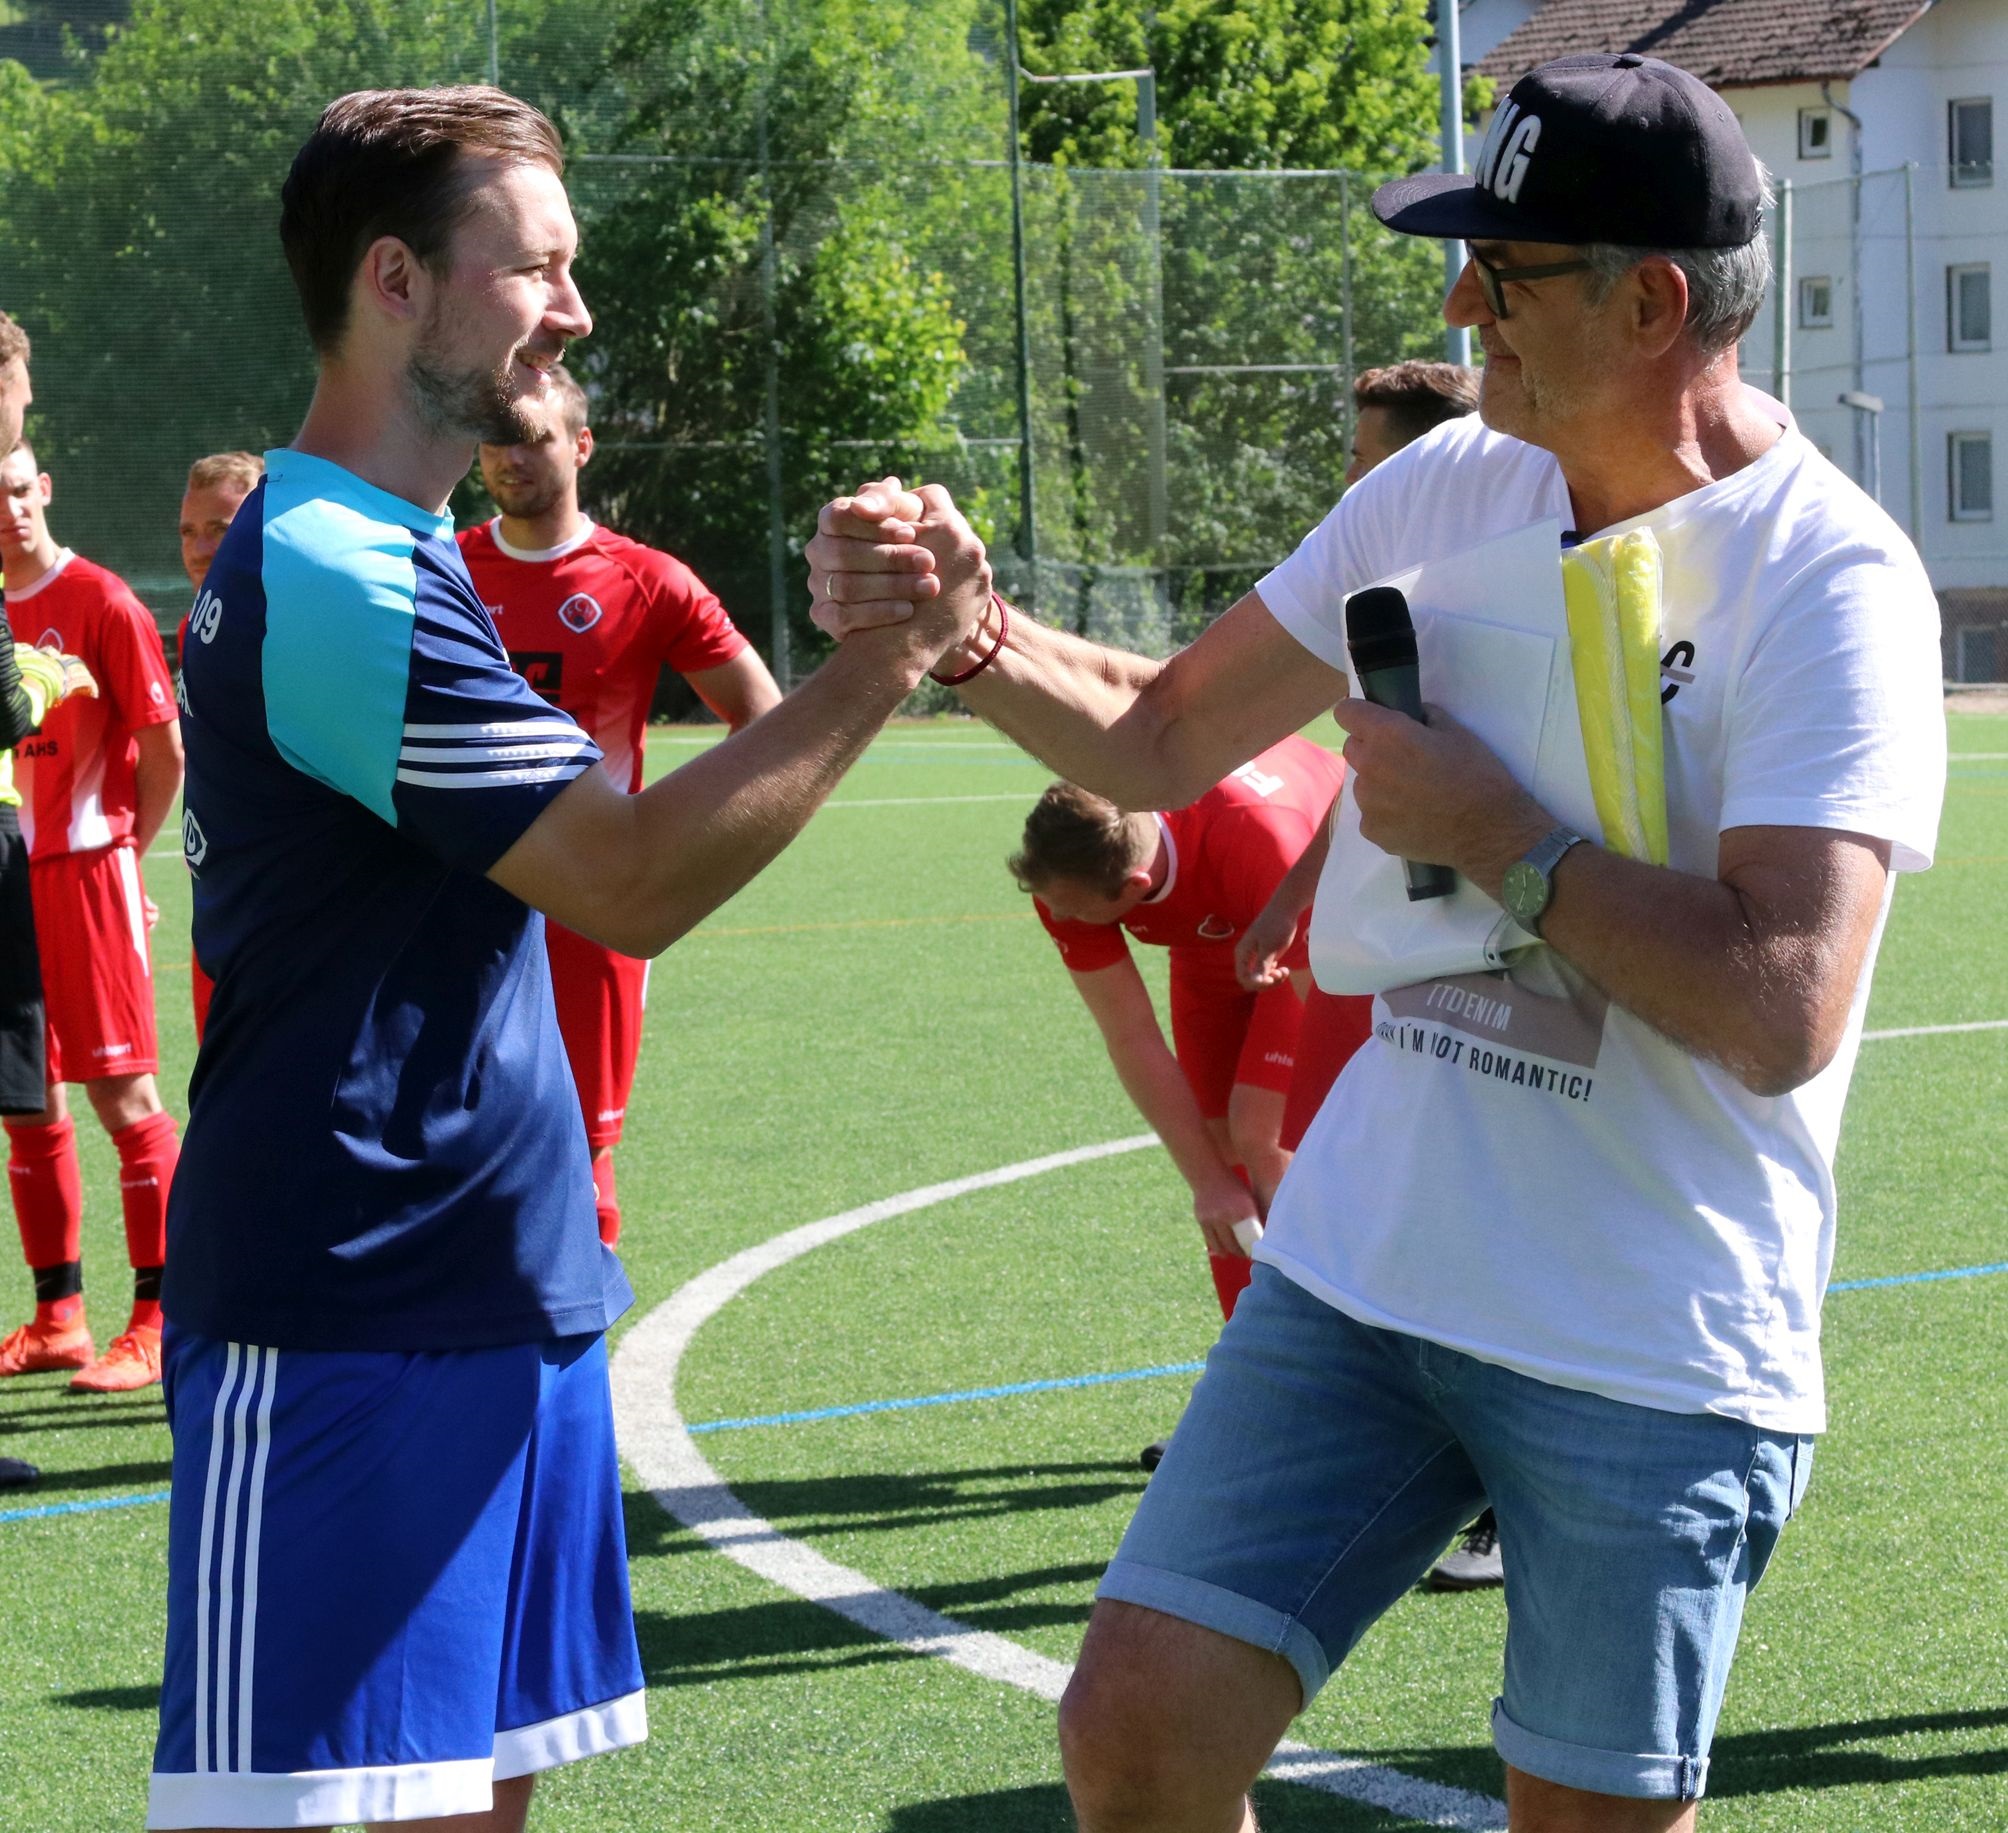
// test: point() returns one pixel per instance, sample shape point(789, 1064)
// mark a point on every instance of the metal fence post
point(780, 637)
point(1028, 523)
point(1347, 400)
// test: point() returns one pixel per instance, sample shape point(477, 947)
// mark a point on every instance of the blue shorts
point(392, 1581)
point(1323, 1465)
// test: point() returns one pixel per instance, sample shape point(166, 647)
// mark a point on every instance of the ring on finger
point(830, 587)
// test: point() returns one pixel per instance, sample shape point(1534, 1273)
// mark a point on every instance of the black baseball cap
point(1601, 147)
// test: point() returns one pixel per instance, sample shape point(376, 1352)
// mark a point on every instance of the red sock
point(604, 1199)
point(1231, 1274)
point(48, 1190)
point(147, 1154)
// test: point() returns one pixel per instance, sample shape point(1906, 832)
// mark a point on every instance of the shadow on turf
point(865, 1501)
point(793, 1636)
point(1817, 1756)
point(112, 1699)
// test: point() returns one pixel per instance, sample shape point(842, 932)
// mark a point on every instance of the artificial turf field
point(880, 1012)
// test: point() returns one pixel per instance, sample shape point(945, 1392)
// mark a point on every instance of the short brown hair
point(1074, 834)
point(571, 400)
point(1418, 395)
point(387, 162)
point(13, 341)
point(244, 468)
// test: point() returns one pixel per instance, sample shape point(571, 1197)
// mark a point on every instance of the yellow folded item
point(1612, 591)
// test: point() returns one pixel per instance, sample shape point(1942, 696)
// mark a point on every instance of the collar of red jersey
point(538, 556)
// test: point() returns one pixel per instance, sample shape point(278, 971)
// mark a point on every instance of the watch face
point(1524, 890)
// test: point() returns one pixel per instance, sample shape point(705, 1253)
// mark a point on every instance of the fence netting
point(800, 259)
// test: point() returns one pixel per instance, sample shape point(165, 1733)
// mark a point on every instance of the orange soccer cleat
point(132, 1361)
point(37, 1347)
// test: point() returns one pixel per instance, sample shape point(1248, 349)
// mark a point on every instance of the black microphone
point(1380, 637)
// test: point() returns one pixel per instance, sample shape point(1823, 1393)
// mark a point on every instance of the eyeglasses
point(1492, 280)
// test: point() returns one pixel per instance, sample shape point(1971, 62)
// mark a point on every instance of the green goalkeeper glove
point(51, 678)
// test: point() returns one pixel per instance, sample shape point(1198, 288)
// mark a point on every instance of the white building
point(1877, 119)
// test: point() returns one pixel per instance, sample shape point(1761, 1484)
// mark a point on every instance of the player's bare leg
point(1534, 1806)
point(120, 1100)
point(1165, 1724)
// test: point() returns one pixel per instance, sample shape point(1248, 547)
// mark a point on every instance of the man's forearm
point(1151, 1077)
point(700, 834)
point(156, 782)
point(1697, 960)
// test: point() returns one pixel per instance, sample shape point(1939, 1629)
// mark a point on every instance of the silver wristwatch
point(1529, 886)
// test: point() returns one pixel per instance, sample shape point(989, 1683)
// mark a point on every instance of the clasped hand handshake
point(892, 556)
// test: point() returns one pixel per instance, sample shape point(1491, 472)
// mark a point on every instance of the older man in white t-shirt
point(1570, 1260)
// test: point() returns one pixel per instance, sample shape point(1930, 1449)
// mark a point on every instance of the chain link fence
point(1151, 419)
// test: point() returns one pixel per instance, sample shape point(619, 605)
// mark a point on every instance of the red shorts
point(200, 988)
point(1225, 1036)
point(97, 974)
point(1335, 1025)
point(600, 998)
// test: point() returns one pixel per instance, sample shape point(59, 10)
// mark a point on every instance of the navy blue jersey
point(384, 1148)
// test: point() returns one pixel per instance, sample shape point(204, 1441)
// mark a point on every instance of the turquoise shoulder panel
point(340, 605)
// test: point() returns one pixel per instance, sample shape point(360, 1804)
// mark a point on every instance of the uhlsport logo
point(579, 613)
point(1509, 146)
point(194, 842)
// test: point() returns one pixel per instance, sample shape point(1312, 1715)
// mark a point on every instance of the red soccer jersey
point(591, 624)
point(77, 773)
point(1229, 851)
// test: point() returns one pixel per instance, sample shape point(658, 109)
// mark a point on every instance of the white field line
point(1975, 757)
point(1978, 1024)
point(655, 1442)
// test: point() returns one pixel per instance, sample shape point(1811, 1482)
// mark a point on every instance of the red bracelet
point(996, 649)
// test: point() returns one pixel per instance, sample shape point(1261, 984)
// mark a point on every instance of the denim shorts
point(1323, 1465)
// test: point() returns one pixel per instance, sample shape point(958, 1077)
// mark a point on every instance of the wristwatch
point(1530, 880)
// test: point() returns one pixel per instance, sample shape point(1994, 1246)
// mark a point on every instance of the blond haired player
point(99, 778)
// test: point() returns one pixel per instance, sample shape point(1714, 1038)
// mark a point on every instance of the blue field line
point(81, 1508)
point(948, 1400)
point(1918, 1279)
point(1006, 1392)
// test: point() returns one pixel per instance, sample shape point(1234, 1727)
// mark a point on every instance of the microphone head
point(1379, 632)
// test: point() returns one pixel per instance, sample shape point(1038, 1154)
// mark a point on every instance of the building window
point(1970, 141)
point(1970, 458)
point(1969, 310)
point(1816, 133)
point(1816, 302)
point(1978, 651)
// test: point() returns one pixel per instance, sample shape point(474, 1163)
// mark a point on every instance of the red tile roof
point(1727, 43)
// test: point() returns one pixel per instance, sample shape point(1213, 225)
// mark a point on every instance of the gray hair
point(1725, 286)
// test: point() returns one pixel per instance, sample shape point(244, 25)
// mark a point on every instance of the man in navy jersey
point(397, 1577)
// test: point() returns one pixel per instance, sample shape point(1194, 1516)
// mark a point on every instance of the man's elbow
point(1790, 1051)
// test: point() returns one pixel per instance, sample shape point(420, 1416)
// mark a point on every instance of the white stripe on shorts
point(253, 1533)
point(135, 903)
point(208, 1540)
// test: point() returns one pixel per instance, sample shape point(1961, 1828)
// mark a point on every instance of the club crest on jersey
point(194, 842)
point(51, 639)
point(580, 613)
point(1215, 929)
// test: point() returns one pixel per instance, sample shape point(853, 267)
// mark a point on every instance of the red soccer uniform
point(591, 624)
point(1229, 851)
point(76, 774)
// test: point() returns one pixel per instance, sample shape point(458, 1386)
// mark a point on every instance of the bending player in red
point(1191, 881)
point(97, 781)
point(217, 487)
point(590, 620)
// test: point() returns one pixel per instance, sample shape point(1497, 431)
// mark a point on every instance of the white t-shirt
point(1516, 1168)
